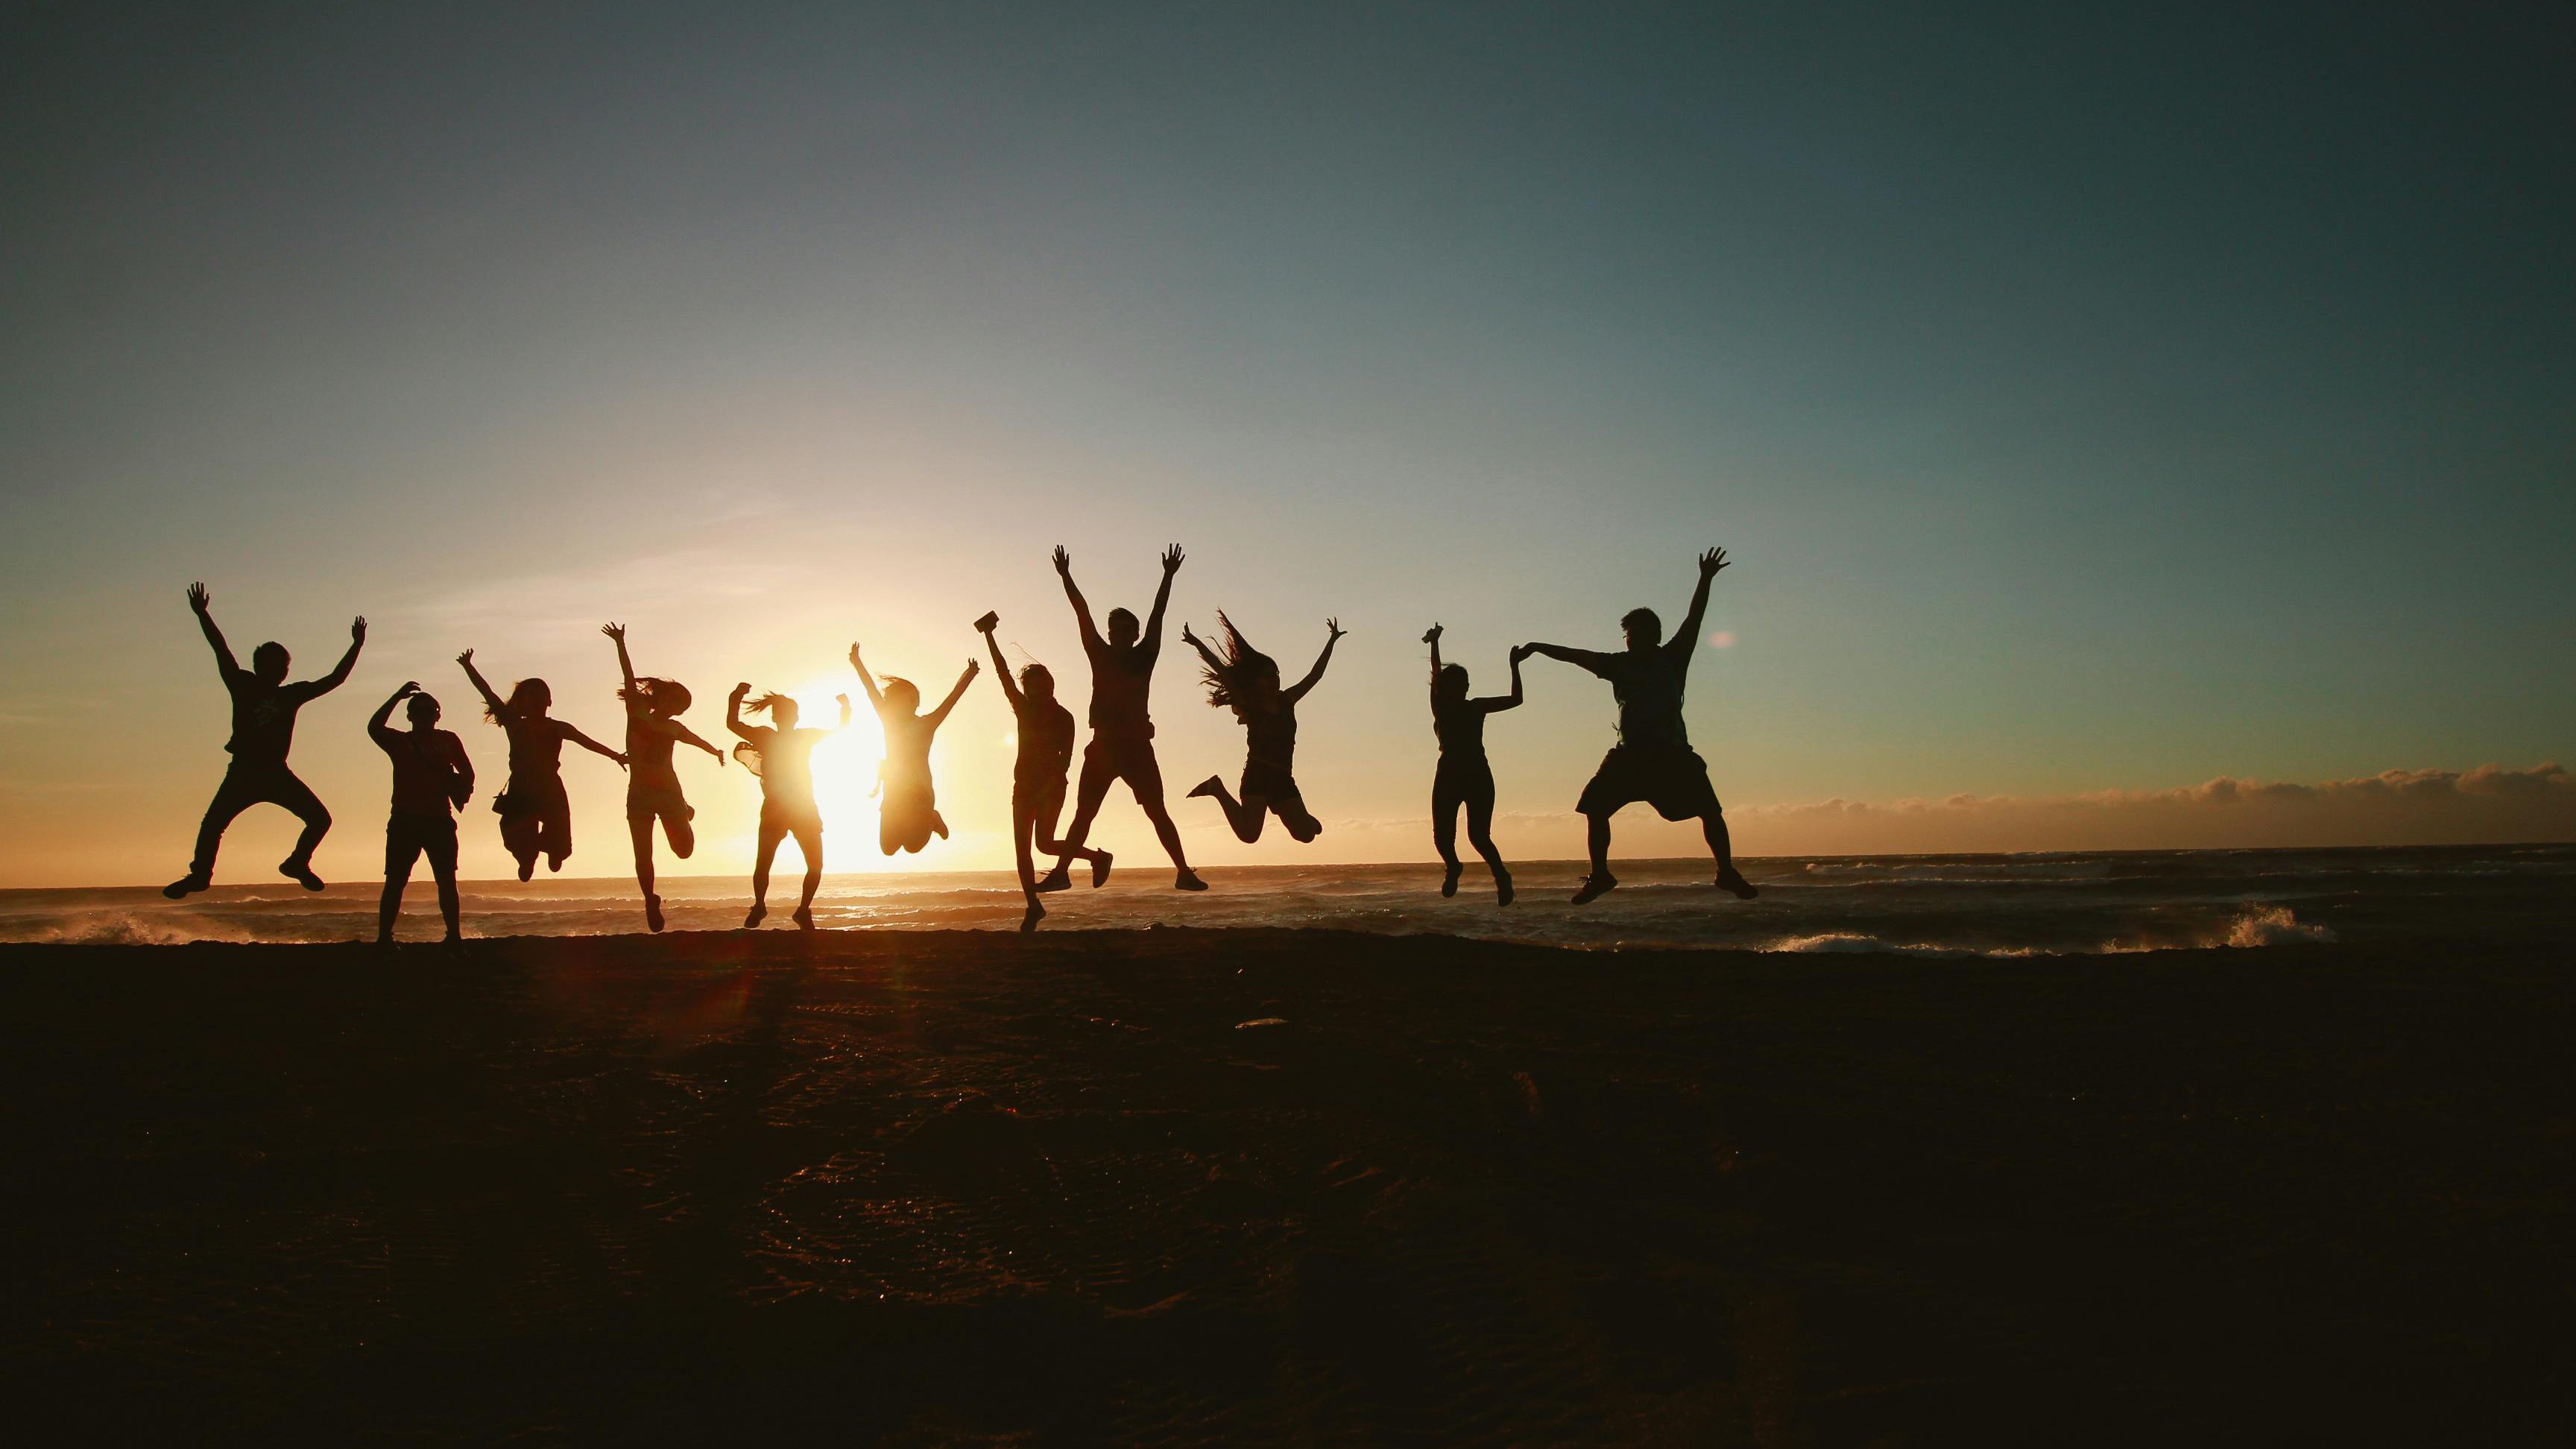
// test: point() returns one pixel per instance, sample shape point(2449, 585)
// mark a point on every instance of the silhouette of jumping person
point(1122, 732)
point(1653, 760)
point(536, 815)
point(653, 707)
point(432, 778)
point(264, 707)
point(783, 756)
point(1045, 731)
point(1463, 776)
point(908, 808)
point(1247, 681)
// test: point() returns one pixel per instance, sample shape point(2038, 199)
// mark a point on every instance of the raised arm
point(339, 674)
point(688, 736)
point(733, 713)
point(625, 666)
point(1332, 636)
point(500, 708)
point(1001, 666)
point(1431, 636)
point(1201, 645)
point(1580, 658)
point(377, 728)
point(1081, 606)
point(587, 743)
point(845, 711)
point(867, 681)
point(955, 694)
point(200, 604)
point(1152, 643)
point(1497, 703)
point(1685, 640)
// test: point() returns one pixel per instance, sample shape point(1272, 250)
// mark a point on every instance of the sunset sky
point(2096, 403)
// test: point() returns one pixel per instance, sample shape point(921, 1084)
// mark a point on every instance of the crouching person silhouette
point(1653, 760)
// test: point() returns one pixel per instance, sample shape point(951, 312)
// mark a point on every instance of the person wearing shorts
point(783, 756)
point(432, 778)
point(1122, 732)
point(264, 709)
point(1044, 728)
point(1653, 761)
point(653, 727)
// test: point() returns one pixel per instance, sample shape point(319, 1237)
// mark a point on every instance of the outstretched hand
point(1710, 562)
point(1333, 628)
point(1431, 635)
point(1189, 638)
point(854, 654)
point(466, 658)
point(739, 690)
point(974, 667)
point(1172, 560)
point(198, 598)
point(1063, 560)
point(614, 631)
point(358, 630)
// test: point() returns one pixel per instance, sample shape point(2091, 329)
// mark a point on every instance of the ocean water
point(2068, 903)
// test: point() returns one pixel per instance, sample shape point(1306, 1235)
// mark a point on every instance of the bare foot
point(1594, 885)
point(301, 872)
point(186, 885)
point(1733, 882)
point(759, 913)
point(1188, 880)
point(1213, 784)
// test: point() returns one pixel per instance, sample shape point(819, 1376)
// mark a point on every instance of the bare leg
point(1042, 826)
point(450, 908)
point(1165, 831)
point(809, 841)
point(1444, 838)
point(389, 906)
point(1480, 834)
point(639, 832)
point(770, 835)
point(1596, 831)
point(1729, 879)
point(1244, 816)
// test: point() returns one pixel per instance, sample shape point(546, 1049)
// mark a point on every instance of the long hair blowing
point(526, 697)
point(667, 696)
point(771, 701)
point(1229, 682)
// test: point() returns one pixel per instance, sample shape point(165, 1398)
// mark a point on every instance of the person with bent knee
point(1653, 761)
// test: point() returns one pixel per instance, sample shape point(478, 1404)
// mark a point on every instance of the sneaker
point(1502, 888)
point(1058, 880)
point(1594, 886)
point(1099, 870)
point(653, 913)
point(1732, 881)
point(804, 918)
point(301, 872)
point(1449, 880)
point(759, 913)
point(186, 885)
point(1188, 880)
point(1029, 918)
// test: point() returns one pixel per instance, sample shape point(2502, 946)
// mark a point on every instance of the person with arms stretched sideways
point(536, 814)
point(1653, 760)
point(908, 811)
point(264, 707)
point(653, 727)
point(432, 779)
point(1246, 680)
point(783, 756)
point(1463, 776)
point(1045, 731)
point(1122, 731)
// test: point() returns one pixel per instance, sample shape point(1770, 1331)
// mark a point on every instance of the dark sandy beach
point(945, 1188)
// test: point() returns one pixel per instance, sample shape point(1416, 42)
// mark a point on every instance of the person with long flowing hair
point(653, 728)
point(783, 756)
point(536, 814)
point(1245, 680)
point(908, 805)
point(1463, 777)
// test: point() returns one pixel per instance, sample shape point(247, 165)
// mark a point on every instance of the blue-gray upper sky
point(2092, 398)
